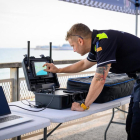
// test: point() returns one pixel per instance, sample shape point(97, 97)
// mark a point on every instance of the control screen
point(39, 69)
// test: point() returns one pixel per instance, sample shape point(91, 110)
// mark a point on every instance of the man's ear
point(80, 41)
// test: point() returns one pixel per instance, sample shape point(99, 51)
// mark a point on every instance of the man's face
point(77, 45)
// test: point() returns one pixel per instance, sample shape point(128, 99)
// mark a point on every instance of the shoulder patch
point(99, 49)
point(102, 36)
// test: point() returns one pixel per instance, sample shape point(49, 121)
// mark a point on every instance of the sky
point(44, 21)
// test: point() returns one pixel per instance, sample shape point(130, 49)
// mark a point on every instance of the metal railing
point(14, 75)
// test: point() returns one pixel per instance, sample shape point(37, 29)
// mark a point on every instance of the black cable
point(28, 109)
point(24, 103)
point(32, 105)
point(35, 110)
point(61, 89)
point(73, 98)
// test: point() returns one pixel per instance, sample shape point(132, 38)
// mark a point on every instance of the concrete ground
point(92, 130)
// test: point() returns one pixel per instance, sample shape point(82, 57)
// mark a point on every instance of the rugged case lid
point(38, 83)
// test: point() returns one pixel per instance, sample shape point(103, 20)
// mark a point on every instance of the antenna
point(50, 52)
point(28, 54)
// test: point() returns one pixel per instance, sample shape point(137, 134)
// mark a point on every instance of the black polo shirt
point(121, 49)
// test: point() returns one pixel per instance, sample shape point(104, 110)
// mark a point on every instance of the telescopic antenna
point(50, 52)
point(28, 55)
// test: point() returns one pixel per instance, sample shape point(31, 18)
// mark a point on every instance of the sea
point(17, 54)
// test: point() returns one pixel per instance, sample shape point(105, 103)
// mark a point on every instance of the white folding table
point(65, 115)
point(18, 130)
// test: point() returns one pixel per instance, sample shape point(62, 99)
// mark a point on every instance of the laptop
point(6, 117)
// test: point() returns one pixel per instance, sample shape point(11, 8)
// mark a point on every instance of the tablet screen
point(39, 69)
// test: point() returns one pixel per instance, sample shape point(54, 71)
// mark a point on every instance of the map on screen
point(39, 69)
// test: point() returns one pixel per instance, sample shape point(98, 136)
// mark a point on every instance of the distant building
point(63, 47)
point(66, 47)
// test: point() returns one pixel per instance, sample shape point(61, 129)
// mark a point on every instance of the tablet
point(39, 69)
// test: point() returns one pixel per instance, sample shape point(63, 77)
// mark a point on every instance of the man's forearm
point(94, 91)
point(97, 84)
point(76, 67)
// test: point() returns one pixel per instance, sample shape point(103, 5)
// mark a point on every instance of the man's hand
point(76, 107)
point(51, 68)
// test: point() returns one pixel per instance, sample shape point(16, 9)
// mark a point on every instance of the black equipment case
point(46, 86)
point(116, 86)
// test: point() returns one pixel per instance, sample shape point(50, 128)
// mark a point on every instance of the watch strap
point(84, 106)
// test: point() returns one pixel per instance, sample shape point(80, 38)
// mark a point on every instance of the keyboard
point(9, 118)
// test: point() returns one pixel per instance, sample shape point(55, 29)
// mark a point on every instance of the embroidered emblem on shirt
point(99, 49)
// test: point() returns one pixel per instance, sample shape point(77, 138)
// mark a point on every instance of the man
point(113, 51)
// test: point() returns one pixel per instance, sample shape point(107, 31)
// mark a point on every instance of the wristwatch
point(83, 105)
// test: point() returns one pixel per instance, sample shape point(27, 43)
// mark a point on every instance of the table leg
point(113, 112)
point(18, 137)
point(54, 129)
point(45, 134)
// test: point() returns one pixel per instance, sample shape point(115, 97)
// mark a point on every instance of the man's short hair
point(80, 30)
